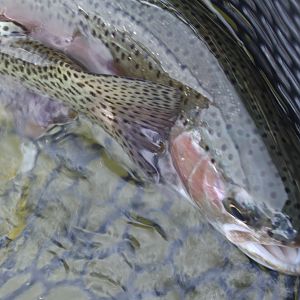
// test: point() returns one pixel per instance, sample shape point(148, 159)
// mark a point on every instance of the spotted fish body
point(130, 110)
point(203, 177)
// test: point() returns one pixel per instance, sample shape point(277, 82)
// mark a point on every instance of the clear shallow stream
point(75, 225)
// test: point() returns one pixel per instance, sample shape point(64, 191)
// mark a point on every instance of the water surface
point(75, 224)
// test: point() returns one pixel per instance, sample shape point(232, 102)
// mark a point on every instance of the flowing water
point(75, 224)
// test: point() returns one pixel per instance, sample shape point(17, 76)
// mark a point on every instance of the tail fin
point(138, 113)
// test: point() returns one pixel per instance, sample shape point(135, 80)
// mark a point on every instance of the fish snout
point(281, 258)
point(269, 253)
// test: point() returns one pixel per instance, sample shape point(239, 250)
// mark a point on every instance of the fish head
point(264, 222)
point(265, 235)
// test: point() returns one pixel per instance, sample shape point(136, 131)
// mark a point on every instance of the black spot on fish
point(80, 84)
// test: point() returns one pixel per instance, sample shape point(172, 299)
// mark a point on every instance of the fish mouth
point(278, 257)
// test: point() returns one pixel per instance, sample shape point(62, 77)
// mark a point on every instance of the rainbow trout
point(278, 249)
point(152, 119)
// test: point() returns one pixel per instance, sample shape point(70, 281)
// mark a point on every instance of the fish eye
point(239, 210)
point(236, 213)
